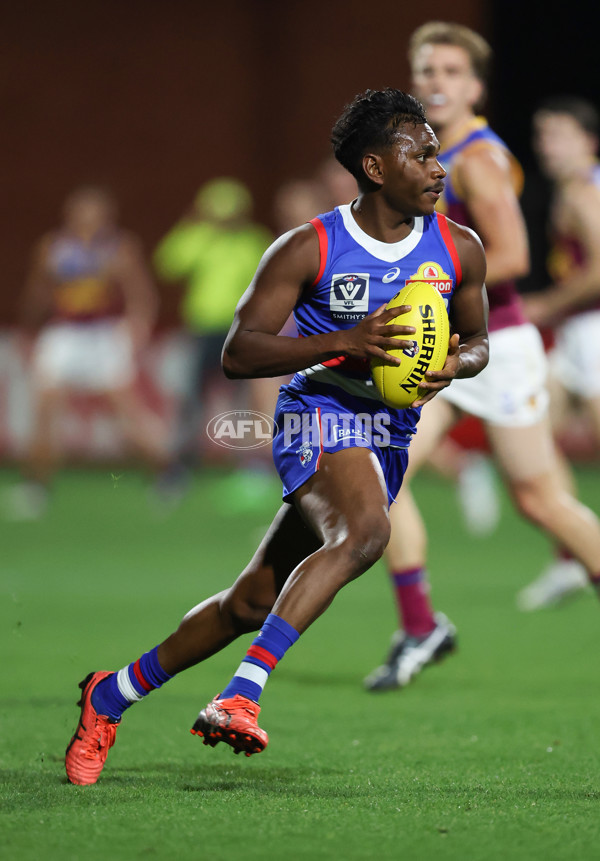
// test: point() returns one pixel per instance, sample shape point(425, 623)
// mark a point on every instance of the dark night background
point(540, 51)
point(153, 99)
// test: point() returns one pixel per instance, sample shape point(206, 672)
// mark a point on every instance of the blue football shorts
point(326, 419)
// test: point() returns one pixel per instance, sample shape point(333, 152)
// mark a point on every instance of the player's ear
point(373, 168)
point(591, 143)
point(477, 92)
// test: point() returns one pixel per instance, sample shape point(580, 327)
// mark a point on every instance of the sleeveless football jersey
point(505, 304)
point(84, 287)
point(357, 275)
point(567, 254)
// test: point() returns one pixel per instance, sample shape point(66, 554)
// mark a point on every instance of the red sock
point(414, 606)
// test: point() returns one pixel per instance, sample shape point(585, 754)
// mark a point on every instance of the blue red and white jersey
point(505, 304)
point(357, 275)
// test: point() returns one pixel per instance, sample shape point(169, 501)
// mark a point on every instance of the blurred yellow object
point(223, 198)
point(215, 253)
point(83, 295)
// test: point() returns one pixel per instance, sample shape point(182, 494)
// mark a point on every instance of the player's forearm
point(31, 317)
point(503, 267)
point(474, 354)
point(577, 291)
point(141, 307)
point(34, 307)
point(257, 354)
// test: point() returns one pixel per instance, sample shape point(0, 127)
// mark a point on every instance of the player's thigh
point(592, 408)
point(437, 418)
point(560, 402)
point(523, 452)
point(125, 401)
point(346, 500)
point(50, 401)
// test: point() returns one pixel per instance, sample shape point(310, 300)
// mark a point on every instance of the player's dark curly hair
point(370, 122)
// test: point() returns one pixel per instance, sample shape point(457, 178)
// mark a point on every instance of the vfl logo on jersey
point(349, 297)
point(434, 275)
point(411, 351)
point(391, 275)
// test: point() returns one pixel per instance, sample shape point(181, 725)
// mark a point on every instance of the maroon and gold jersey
point(84, 284)
point(505, 304)
point(568, 254)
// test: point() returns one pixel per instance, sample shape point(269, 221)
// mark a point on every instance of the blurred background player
point(337, 186)
point(88, 309)
point(450, 65)
point(213, 250)
point(296, 202)
point(565, 139)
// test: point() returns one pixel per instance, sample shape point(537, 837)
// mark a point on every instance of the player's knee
point(246, 613)
point(532, 503)
point(366, 542)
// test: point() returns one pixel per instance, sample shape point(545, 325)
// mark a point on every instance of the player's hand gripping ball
point(398, 385)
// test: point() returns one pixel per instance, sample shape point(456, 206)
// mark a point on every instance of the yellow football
point(398, 385)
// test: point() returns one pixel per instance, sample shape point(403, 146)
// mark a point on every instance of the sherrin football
point(398, 385)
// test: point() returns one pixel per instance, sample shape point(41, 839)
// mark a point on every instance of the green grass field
point(493, 754)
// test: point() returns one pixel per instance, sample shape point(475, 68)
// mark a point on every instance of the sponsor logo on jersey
point(391, 275)
point(433, 274)
point(349, 297)
point(346, 433)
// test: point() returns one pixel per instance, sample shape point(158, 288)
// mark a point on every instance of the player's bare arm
point(486, 181)
point(36, 300)
point(138, 289)
point(580, 216)
point(254, 348)
point(468, 352)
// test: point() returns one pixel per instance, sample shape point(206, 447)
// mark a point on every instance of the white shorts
point(94, 356)
point(511, 390)
point(575, 356)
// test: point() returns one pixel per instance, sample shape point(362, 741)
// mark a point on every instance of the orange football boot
point(94, 736)
point(233, 721)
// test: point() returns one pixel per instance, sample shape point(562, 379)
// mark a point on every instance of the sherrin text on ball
point(399, 385)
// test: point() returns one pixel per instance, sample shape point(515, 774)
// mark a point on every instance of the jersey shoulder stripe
point(449, 242)
point(323, 247)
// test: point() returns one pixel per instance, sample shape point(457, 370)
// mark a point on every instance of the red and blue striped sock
point(269, 647)
point(120, 690)
point(414, 606)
